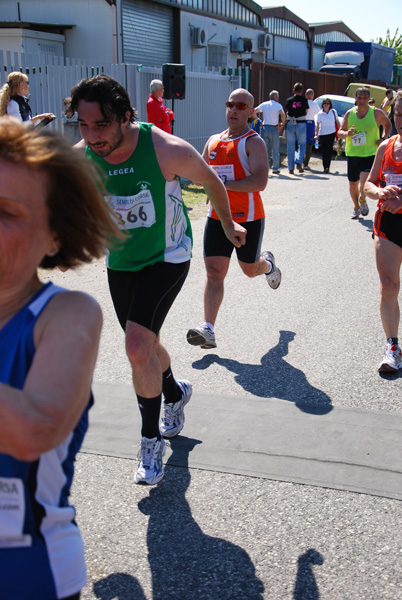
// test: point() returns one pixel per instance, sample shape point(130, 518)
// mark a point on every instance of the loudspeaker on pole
point(174, 81)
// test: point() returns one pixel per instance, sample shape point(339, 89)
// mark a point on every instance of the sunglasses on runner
point(238, 105)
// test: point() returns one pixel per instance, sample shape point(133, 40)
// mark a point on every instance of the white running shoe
point(392, 360)
point(172, 421)
point(355, 213)
point(150, 470)
point(201, 336)
point(364, 209)
point(274, 277)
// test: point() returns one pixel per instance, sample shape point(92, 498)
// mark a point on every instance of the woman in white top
point(13, 100)
point(326, 125)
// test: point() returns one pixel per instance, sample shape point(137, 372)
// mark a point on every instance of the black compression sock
point(170, 389)
point(150, 410)
point(393, 341)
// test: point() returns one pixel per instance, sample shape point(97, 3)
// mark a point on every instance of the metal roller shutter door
point(147, 33)
point(318, 57)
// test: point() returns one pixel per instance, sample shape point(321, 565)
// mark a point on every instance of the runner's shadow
point(306, 586)
point(118, 586)
point(185, 562)
point(274, 378)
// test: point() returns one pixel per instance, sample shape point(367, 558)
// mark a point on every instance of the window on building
point(321, 39)
point(217, 55)
point(284, 28)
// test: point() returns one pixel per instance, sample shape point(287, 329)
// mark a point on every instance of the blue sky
point(369, 19)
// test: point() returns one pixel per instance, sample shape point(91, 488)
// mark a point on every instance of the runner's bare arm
point(258, 162)
point(176, 157)
point(57, 387)
point(382, 119)
point(344, 131)
point(391, 194)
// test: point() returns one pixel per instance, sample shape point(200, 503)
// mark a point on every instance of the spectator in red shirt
point(157, 113)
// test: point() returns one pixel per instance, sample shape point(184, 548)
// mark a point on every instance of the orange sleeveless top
point(230, 161)
point(390, 171)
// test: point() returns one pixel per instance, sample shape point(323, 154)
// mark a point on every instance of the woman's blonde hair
point(78, 212)
point(10, 88)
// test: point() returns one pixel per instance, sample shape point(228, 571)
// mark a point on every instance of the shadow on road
point(185, 562)
point(306, 587)
point(274, 377)
point(118, 586)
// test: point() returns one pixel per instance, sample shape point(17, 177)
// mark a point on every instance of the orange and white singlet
point(390, 171)
point(230, 161)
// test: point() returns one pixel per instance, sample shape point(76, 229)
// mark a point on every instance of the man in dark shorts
point(239, 157)
point(360, 129)
point(142, 165)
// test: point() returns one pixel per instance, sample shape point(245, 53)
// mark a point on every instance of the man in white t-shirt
point(313, 109)
point(273, 120)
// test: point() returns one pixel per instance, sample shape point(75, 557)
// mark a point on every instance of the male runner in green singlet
point(142, 164)
point(360, 129)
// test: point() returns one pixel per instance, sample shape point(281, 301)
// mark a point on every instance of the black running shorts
point(388, 226)
point(145, 296)
point(357, 165)
point(217, 244)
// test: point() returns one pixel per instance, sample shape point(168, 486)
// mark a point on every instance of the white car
point(341, 104)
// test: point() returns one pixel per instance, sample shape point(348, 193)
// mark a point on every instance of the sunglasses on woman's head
point(238, 105)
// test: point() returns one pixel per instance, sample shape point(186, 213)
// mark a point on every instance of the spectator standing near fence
point(273, 121)
point(157, 112)
point(327, 124)
point(313, 110)
point(13, 99)
point(296, 110)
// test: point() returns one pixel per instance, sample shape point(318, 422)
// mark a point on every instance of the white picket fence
point(198, 116)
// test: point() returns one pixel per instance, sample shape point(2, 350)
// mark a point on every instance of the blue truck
point(361, 60)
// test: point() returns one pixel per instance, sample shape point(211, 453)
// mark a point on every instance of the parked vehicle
point(376, 91)
point(341, 104)
point(362, 60)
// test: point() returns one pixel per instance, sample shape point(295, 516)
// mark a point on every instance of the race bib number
point(393, 179)
point(12, 513)
point(133, 211)
point(359, 139)
point(225, 172)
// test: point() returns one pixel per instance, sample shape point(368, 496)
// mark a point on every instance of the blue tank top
point(41, 550)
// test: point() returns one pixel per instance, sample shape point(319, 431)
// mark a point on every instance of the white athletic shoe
point(172, 421)
point(392, 360)
point(274, 277)
point(364, 209)
point(150, 470)
point(201, 336)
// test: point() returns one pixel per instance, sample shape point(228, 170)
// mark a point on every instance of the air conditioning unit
point(265, 41)
point(198, 37)
point(236, 44)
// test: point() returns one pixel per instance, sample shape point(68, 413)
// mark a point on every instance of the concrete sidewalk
point(336, 447)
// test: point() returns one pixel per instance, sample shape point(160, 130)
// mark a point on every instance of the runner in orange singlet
point(384, 184)
point(239, 157)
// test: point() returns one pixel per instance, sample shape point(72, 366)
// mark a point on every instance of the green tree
point(392, 41)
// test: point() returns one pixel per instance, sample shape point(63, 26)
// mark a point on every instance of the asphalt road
point(316, 342)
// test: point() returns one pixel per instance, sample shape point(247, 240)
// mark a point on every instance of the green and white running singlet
point(148, 208)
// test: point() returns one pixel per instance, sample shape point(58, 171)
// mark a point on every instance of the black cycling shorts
point(388, 226)
point(217, 244)
point(357, 165)
point(145, 296)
